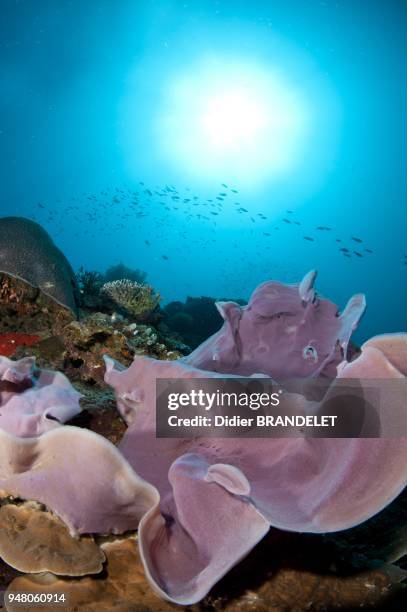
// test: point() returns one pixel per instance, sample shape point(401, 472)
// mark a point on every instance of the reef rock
point(25, 309)
point(86, 341)
point(285, 572)
point(195, 319)
point(28, 253)
point(122, 588)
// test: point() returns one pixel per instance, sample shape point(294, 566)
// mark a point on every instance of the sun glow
point(234, 120)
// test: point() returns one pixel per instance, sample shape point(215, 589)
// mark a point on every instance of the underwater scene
point(203, 289)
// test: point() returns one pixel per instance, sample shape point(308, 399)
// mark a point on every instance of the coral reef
point(78, 347)
point(28, 253)
point(135, 299)
point(199, 504)
point(86, 342)
point(285, 572)
point(91, 282)
point(27, 310)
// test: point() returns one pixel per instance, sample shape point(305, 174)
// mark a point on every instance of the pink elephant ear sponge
point(218, 496)
point(33, 401)
point(285, 331)
point(201, 504)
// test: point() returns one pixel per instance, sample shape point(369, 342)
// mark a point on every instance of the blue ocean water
point(122, 124)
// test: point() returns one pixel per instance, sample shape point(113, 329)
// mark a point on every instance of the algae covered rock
point(26, 309)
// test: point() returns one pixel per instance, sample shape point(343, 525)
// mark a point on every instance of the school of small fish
point(134, 205)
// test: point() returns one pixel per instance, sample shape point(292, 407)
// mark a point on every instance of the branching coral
point(134, 298)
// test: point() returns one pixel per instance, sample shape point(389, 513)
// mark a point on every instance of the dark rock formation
point(195, 319)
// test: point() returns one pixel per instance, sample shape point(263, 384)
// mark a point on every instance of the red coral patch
point(10, 342)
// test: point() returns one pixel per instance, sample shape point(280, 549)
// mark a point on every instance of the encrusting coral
point(28, 310)
point(135, 299)
point(121, 589)
point(33, 540)
point(11, 341)
point(201, 504)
